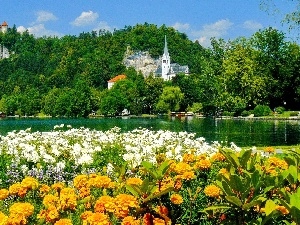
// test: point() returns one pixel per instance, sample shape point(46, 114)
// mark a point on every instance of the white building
point(168, 70)
point(4, 53)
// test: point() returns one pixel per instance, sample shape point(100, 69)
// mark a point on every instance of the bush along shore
point(83, 176)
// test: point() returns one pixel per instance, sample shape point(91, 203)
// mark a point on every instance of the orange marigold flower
point(30, 183)
point(50, 214)
point(100, 181)
point(105, 203)
point(167, 182)
point(44, 189)
point(81, 181)
point(84, 192)
point(279, 163)
point(63, 222)
point(14, 188)
point(134, 180)
point(212, 191)
point(282, 209)
point(84, 216)
point(189, 175)
point(270, 149)
point(22, 209)
point(68, 199)
point(58, 186)
point(202, 164)
point(188, 158)
point(3, 218)
point(50, 200)
point(4, 193)
point(22, 191)
point(177, 184)
point(122, 204)
point(218, 157)
point(176, 199)
point(181, 167)
point(130, 220)
point(98, 218)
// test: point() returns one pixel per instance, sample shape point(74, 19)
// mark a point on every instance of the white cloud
point(86, 18)
point(39, 30)
point(252, 25)
point(217, 30)
point(44, 16)
point(182, 27)
point(103, 25)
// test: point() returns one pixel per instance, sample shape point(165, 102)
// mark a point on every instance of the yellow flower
point(63, 222)
point(218, 157)
point(85, 215)
point(30, 183)
point(176, 199)
point(129, 220)
point(100, 181)
point(14, 188)
point(212, 191)
point(51, 200)
point(181, 167)
point(3, 194)
point(224, 172)
point(104, 203)
point(19, 212)
point(188, 158)
point(3, 218)
point(122, 204)
point(189, 175)
point(57, 186)
point(98, 218)
point(269, 149)
point(134, 180)
point(80, 181)
point(44, 189)
point(202, 164)
point(68, 199)
point(50, 214)
point(158, 221)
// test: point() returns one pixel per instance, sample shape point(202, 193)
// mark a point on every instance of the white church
point(168, 70)
point(4, 53)
point(161, 67)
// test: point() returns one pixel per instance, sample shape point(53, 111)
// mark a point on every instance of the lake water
point(241, 132)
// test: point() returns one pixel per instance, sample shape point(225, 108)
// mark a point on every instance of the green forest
point(67, 76)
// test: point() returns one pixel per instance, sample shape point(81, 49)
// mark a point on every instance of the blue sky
point(199, 19)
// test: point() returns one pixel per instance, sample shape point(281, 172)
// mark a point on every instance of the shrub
point(226, 113)
point(280, 110)
point(246, 113)
point(262, 110)
point(293, 113)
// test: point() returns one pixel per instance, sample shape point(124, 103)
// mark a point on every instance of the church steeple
point(165, 62)
point(166, 52)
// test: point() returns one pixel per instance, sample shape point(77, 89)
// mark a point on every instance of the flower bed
point(82, 176)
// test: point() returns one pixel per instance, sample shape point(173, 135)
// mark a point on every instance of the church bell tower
point(165, 62)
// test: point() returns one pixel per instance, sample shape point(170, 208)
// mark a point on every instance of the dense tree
point(169, 100)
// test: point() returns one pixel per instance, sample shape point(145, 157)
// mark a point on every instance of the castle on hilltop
point(3, 27)
point(4, 53)
point(162, 67)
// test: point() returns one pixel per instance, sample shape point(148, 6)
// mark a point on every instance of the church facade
point(168, 70)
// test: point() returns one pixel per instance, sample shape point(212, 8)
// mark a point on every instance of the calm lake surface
point(241, 132)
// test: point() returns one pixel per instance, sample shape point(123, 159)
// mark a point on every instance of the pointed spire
point(166, 52)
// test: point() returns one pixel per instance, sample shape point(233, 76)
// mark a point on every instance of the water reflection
point(241, 132)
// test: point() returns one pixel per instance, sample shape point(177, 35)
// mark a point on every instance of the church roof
point(4, 23)
point(117, 78)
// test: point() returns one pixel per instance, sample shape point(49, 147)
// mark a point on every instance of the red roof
point(117, 78)
point(4, 24)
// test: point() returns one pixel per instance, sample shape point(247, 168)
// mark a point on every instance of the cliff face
point(141, 61)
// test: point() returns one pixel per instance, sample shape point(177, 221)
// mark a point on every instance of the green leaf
point(217, 207)
point(163, 169)
point(244, 157)
point(133, 189)
point(231, 157)
point(167, 190)
point(150, 169)
point(269, 207)
point(234, 200)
